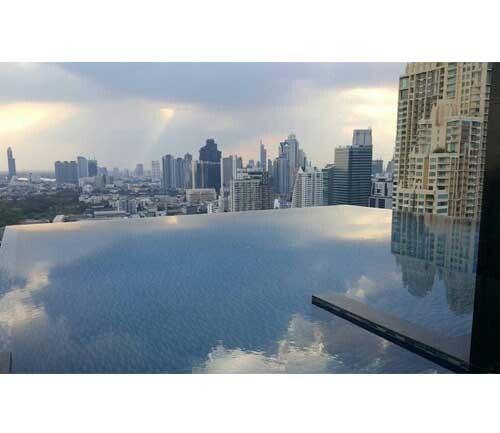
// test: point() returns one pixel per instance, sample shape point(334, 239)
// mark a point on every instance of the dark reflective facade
point(485, 352)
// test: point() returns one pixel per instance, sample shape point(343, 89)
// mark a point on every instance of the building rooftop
point(231, 292)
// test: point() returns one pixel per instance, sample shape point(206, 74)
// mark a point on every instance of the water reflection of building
point(426, 246)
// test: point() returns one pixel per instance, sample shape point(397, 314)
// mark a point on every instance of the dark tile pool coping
point(405, 334)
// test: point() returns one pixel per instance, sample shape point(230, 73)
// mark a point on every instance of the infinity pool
point(228, 293)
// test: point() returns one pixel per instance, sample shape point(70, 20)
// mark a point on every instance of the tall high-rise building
point(352, 171)
point(83, 167)
point(250, 190)
point(179, 173)
point(175, 173)
point(58, 170)
point(11, 163)
point(188, 171)
point(139, 170)
point(92, 167)
point(390, 167)
point(440, 141)
point(207, 170)
point(302, 159)
point(308, 188)
point(229, 167)
point(377, 167)
point(168, 172)
point(66, 172)
point(362, 137)
point(155, 171)
point(209, 151)
point(282, 177)
point(328, 185)
point(296, 157)
point(263, 157)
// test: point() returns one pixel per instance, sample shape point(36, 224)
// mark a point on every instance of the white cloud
point(302, 350)
point(125, 114)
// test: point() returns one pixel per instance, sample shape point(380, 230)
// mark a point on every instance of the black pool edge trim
point(437, 356)
point(6, 369)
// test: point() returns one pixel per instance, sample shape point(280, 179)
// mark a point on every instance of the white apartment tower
point(308, 188)
point(250, 190)
point(155, 171)
point(441, 137)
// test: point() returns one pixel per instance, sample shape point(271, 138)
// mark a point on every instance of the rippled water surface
point(218, 293)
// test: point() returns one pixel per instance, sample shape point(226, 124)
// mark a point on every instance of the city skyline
point(443, 112)
point(124, 114)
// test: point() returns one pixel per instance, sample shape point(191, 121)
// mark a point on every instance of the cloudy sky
point(126, 113)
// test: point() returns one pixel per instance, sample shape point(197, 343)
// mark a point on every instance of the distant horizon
point(147, 164)
point(129, 113)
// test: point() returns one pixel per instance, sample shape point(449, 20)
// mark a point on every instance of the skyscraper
point(328, 185)
point(179, 173)
point(263, 157)
point(282, 181)
point(352, 171)
point(66, 172)
point(59, 173)
point(72, 172)
point(440, 142)
point(377, 166)
point(168, 172)
point(83, 167)
point(139, 170)
point(229, 167)
point(301, 159)
point(239, 162)
point(308, 188)
point(155, 171)
point(250, 190)
point(390, 167)
point(209, 151)
point(208, 167)
point(175, 172)
point(296, 158)
point(11, 162)
point(92, 167)
point(362, 137)
point(188, 171)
